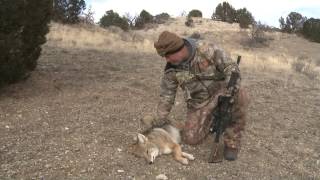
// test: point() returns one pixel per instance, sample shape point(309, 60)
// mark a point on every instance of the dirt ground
point(78, 112)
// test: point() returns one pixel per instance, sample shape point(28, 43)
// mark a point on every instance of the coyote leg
point(177, 153)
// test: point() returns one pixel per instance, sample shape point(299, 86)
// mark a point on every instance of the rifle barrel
point(238, 60)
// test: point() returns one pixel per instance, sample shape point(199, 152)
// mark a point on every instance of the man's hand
point(147, 120)
point(151, 122)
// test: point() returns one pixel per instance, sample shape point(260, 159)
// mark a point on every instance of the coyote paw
point(184, 161)
point(188, 156)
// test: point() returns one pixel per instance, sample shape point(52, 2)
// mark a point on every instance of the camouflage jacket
point(206, 71)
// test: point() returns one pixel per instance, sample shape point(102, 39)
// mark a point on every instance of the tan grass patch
point(260, 62)
point(82, 37)
point(277, 57)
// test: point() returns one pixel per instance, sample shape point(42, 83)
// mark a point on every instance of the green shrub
point(144, 18)
point(113, 19)
point(311, 29)
point(244, 18)
point(189, 22)
point(195, 13)
point(161, 18)
point(23, 26)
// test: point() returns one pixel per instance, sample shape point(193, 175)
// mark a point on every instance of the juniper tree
point(23, 26)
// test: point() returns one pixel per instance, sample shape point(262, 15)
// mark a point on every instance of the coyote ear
point(142, 138)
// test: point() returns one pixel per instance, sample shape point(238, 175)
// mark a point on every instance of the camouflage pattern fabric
point(201, 77)
point(199, 121)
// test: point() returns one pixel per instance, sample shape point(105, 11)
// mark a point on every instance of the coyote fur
point(158, 141)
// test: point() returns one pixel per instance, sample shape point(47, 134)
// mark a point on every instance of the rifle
point(222, 117)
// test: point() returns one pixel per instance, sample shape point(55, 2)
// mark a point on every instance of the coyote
point(158, 141)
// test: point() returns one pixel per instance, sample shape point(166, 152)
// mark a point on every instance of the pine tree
point(293, 24)
point(68, 11)
point(311, 29)
point(112, 18)
point(225, 12)
point(244, 18)
point(144, 18)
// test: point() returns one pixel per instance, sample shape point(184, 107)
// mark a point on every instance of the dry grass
point(278, 56)
point(84, 37)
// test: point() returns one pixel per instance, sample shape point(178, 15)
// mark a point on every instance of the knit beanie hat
point(168, 43)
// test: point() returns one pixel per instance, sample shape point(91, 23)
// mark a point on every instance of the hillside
point(78, 112)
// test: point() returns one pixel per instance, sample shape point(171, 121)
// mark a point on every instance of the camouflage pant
point(199, 121)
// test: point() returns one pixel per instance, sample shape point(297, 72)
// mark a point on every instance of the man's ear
point(142, 139)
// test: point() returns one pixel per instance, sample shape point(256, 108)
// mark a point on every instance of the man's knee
point(190, 137)
point(241, 105)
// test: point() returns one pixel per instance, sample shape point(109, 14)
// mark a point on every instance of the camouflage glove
point(160, 122)
point(147, 121)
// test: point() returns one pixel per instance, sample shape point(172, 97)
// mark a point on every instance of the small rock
point(161, 177)
point(7, 127)
point(119, 150)
point(285, 136)
point(83, 171)
point(131, 178)
point(19, 115)
point(318, 162)
point(66, 128)
point(120, 171)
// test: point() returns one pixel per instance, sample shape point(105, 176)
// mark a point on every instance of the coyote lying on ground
point(160, 141)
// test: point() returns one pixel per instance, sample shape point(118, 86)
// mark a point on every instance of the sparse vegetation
point(189, 22)
point(23, 26)
point(257, 37)
point(305, 66)
point(88, 17)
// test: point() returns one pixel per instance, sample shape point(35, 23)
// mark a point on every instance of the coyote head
point(144, 148)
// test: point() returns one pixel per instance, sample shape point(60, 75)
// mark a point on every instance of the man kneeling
point(202, 71)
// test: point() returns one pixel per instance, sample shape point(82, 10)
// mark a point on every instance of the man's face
point(176, 57)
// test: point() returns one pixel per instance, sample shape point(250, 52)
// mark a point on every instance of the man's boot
point(230, 154)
